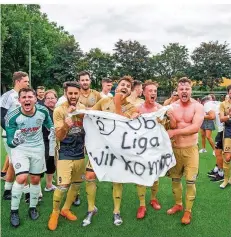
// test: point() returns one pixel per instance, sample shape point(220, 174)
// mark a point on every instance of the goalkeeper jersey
point(30, 126)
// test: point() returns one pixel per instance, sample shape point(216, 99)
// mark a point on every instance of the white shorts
point(30, 161)
point(8, 149)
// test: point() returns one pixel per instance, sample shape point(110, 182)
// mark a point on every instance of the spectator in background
point(63, 98)
point(50, 99)
point(208, 125)
point(174, 97)
point(40, 92)
point(136, 92)
point(106, 88)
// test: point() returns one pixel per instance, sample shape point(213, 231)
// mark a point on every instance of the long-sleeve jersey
point(30, 126)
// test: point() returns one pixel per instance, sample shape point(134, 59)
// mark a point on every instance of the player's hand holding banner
point(128, 151)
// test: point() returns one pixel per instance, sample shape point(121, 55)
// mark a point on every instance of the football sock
point(34, 194)
point(57, 198)
point(91, 193)
point(17, 190)
point(177, 190)
point(71, 195)
point(190, 195)
point(141, 190)
point(117, 196)
point(154, 190)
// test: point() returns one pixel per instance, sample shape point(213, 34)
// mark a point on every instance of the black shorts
point(219, 141)
point(50, 161)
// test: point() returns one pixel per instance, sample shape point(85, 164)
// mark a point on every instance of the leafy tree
point(99, 64)
point(169, 65)
point(131, 58)
point(211, 62)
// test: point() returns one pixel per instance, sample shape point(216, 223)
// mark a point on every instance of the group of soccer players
point(23, 120)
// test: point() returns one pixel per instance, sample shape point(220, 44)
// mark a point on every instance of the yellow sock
point(117, 196)
point(141, 190)
point(226, 168)
point(154, 190)
point(190, 195)
point(71, 195)
point(57, 199)
point(91, 193)
point(177, 190)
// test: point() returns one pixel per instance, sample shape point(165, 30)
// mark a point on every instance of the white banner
point(127, 151)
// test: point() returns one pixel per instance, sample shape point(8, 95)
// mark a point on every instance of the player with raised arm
point(70, 154)
point(24, 136)
point(119, 105)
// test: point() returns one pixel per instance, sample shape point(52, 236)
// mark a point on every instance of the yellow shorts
point(70, 171)
point(187, 163)
point(227, 145)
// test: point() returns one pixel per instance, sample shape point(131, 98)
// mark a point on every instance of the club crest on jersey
point(17, 166)
point(92, 100)
point(39, 122)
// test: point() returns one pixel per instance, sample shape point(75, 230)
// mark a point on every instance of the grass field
point(211, 212)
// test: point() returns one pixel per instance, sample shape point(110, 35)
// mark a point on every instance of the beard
point(72, 102)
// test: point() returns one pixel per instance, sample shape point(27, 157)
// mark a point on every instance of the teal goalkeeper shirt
point(30, 126)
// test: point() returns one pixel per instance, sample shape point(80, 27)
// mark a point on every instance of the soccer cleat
point(33, 213)
point(117, 220)
point(7, 195)
point(27, 198)
point(224, 184)
point(77, 201)
point(3, 175)
point(88, 218)
point(68, 214)
point(52, 188)
point(53, 221)
point(212, 173)
point(141, 212)
point(14, 218)
point(214, 153)
point(186, 219)
point(176, 208)
point(155, 204)
point(217, 178)
point(202, 151)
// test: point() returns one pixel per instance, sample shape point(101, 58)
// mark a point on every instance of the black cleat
point(33, 213)
point(27, 198)
point(77, 201)
point(14, 218)
point(218, 178)
point(212, 173)
point(3, 175)
point(7, 195)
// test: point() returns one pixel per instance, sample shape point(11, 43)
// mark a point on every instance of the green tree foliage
point(169, 65)
point(99, 64)
point(131, 58)
point(20, 23)
point(211, 62)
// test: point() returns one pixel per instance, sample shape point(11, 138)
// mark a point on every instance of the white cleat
point(117, 219)
point(88, 218)
point(202, 151)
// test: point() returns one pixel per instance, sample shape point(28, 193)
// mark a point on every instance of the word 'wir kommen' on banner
point(127, 151)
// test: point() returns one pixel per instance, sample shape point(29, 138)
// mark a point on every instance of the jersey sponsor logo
point(28, 130)
point(17, 166)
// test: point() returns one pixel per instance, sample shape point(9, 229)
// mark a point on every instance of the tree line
point(57, 57)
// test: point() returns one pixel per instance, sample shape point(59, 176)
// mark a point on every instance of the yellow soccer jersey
point(108, 105)
point(73, 137)
point(137, 102)
point(90, 100)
